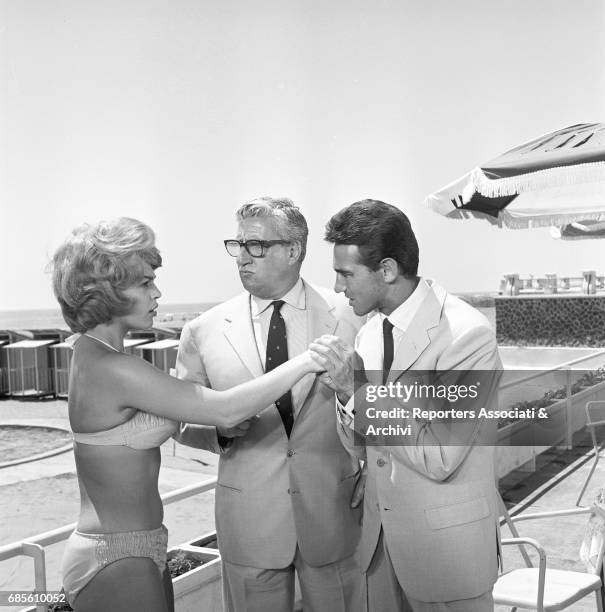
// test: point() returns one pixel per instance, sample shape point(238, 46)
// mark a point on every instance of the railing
point(34, 547)
point(587, 284)
point(567, 368)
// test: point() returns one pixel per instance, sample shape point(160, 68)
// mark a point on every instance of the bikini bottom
point(86, 554)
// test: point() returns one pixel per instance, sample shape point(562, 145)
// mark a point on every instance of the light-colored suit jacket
point(436, 504)
point(273, 492)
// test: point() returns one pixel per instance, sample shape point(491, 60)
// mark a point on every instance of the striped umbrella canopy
point(556, 180)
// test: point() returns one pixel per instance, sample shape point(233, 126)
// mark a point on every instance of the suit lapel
point(416, 337)
point(410, 348)
point(320, 317)
point(320, 321)
point(240, 334)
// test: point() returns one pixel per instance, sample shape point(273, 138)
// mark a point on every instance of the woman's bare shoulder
point(96, 392)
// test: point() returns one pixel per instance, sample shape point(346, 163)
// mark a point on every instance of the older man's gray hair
point(290, 223)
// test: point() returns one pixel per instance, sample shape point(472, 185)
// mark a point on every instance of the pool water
point(19, 441)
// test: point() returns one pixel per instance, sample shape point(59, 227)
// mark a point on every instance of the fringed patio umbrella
point(554, 180)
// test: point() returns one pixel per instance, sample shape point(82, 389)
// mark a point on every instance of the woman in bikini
point(121, 409)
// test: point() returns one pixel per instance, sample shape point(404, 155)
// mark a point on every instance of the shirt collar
point(402, 316)
point(295, 297)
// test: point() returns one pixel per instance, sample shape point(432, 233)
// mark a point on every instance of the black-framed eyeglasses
point(256, 248)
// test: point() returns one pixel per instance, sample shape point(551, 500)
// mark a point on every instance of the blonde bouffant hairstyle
point(93, 267)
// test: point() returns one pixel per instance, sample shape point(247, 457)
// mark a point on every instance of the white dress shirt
point(294, 313)
point(373, 344)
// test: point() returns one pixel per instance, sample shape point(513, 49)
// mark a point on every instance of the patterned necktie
point(277, 353)
point(387, 336)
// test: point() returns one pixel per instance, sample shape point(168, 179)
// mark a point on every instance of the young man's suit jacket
point(273, 492)
point(436, 504)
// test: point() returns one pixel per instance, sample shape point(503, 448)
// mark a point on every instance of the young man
point(430, 535)
point(285, 482)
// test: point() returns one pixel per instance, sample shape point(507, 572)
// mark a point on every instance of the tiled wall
point(551, 320)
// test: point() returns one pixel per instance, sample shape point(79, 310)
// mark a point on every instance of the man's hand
point(237, 431)
point(340, 361)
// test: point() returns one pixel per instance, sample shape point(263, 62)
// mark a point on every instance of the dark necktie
point(277, 353)
point(387, 335)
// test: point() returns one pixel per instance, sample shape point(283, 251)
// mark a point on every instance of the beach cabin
point(3, 368)
point(62, 353)
point(131, 343)
point(30, 364)
point(161, 354)
point(146, 334)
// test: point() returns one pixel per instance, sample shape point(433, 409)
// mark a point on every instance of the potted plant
point(208, 540)
point(196, 578)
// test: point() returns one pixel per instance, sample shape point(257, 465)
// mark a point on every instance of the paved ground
point(39, 496)
point(554, 485)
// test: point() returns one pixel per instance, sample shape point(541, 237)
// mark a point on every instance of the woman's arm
point(136, 383)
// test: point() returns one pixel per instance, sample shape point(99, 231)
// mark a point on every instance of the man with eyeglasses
point(286, 486)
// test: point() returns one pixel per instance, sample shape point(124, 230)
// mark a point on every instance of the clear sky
point(176, 112)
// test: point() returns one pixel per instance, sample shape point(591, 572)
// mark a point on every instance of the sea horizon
point(180, 312)
point(51, 318)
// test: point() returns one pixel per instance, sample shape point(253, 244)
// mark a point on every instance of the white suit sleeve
point(190, 366)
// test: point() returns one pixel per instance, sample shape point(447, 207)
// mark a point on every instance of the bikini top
point(142, 431)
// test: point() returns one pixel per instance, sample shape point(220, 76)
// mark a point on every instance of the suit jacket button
point(380, 462)
point(290, 452)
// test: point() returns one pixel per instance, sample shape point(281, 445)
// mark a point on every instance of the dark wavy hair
point(93, 267)
point(379, 230)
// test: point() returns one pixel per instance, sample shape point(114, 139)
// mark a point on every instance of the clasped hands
point(336, 361)
point(339, 361)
